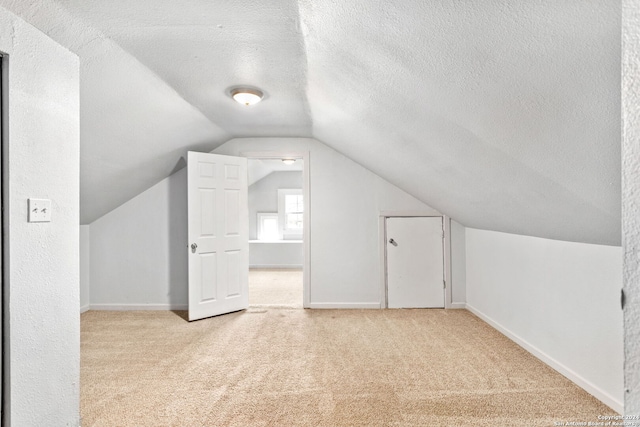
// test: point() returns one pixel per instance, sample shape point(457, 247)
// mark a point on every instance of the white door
point(218, 234)
point(415, 262)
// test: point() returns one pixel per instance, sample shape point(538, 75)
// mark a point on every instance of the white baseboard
point(341, 305)
point(458, 305)
point(279, 266)
point(589, 387)
point(132, 307)
point(84, 308)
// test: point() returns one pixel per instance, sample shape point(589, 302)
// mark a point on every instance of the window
point(268, 226)
point(293, 208)
point(290, 213)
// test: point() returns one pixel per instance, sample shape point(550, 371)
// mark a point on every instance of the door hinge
point(444, 284)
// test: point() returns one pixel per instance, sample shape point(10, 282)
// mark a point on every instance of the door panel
point(218, 234)
point(233, 274)
point(207, 209)
point(415, 262)
point(232, 214)
point(209, 277)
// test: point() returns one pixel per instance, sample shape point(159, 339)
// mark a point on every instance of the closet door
point(415, 262)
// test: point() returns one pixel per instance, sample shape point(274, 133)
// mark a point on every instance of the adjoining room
point(276, 222)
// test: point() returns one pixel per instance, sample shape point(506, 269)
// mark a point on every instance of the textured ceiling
point(260, 168)
point(201, 48)
point(504, 115)
point(134, 128)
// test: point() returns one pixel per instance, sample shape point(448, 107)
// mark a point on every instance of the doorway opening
point(278, 200)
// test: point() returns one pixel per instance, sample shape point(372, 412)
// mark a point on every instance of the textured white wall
point(139, 250)
point(263, 195)
point(41, 295)
point(560, 300)
point(458, 263)
point(85, 267)
point(631, 198)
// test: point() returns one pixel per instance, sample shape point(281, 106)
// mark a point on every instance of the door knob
point(393, 242)
point(193, 248)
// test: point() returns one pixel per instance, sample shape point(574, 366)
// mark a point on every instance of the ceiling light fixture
point(288, 161)
point(246, 95)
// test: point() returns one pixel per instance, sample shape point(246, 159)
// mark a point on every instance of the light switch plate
point(39, 210)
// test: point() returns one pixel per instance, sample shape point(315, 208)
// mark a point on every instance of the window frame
point(289, 234)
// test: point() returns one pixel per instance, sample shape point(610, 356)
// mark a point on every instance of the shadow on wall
point(178, 238)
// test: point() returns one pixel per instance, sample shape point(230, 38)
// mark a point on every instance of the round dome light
point(246, 96)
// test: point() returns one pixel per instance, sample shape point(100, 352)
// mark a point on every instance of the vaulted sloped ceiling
point(504, 115)
point(134, 128)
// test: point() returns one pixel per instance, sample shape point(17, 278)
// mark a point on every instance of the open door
point(218, 234)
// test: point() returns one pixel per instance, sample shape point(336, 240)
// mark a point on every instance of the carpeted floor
point(295, 367)
point(275, 288)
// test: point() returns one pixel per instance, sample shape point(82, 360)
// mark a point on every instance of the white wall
point(631, 198)
point(85, 268)
point(139, 250)
point(560, 300)
point(41, 287)
point(263, 195)
point(284, 254)
point(458, 264)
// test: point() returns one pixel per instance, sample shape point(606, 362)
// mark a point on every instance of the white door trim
point(382, 233)
point(306, 194)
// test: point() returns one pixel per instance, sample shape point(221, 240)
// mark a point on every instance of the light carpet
point(275, 288)
point(295, 367)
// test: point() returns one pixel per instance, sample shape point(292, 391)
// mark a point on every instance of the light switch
point(39, 210)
